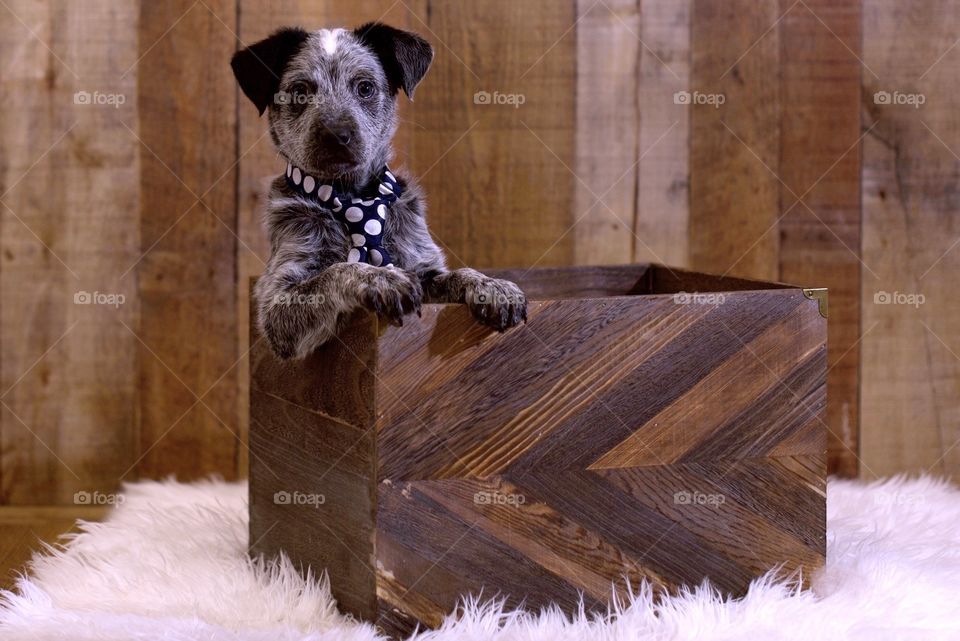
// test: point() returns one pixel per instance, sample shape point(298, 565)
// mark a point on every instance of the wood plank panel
point(499, 177)
point(188, 276)
point(68, 184)
point(567, 533)
point(625, 362)
point(663, 209)
point(734, 149)
point(911, 374)
point(607, 123)
point(820, 164)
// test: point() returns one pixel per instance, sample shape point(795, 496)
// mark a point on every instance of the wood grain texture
point(188, 277)
point(622, 364)
point(820, 197)
point(911, 372)
point(613, 438)
point(734, 149)
point(607, 131)
point(485, 167)
point(663, 177)
point(68, 187)
point(25, 530)
point(98, 199)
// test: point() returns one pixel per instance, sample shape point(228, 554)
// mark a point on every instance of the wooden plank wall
point(187, 340)
point(911, 346)
point(159, 198)
point(68, 228)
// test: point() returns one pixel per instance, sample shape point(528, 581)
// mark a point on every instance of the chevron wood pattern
point(646, 424)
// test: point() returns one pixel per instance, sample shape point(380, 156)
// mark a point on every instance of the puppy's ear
point(405, 56)
point(258, 68)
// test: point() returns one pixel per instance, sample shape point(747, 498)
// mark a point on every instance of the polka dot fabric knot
point(363, 216)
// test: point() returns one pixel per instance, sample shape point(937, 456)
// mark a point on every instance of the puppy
point(346, 232)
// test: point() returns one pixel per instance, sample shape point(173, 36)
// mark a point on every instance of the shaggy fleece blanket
point(170, 563)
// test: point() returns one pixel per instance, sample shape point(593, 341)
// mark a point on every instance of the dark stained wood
point(576, 364)
point(312, 436)
point(591, 281)
point(584, 282)
point(670, 280)
point(324, 495)
point(612, 438)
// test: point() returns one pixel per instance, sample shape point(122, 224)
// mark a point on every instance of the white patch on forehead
point(329, 39)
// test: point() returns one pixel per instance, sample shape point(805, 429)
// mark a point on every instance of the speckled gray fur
point(331, 97)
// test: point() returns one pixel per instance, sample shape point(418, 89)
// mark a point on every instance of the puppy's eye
point(365, 88)
point(300, 89)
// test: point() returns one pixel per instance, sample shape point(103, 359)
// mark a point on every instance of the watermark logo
point(696, 298)
point(683, 497)
point(899, 498)
point(897, 98)
point(289, 298)
point(498, 498)
point(491, 296)
point(698, 98)
point(898, 298)
point(298, 498)
point(295, 98)
point(97, 498)
point(98, 298)
point(99, 99)
point(496, 98)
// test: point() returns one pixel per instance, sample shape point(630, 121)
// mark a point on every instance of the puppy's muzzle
point(334, 143)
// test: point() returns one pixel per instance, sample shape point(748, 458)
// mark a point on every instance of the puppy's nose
point(342, 134)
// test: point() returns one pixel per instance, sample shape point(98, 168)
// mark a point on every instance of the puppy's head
point(331, 94)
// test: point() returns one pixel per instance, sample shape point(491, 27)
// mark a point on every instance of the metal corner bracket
point(818, 294)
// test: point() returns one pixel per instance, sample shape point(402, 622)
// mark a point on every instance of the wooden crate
point(629, 431)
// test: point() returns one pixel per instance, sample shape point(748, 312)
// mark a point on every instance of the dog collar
point(363, 215)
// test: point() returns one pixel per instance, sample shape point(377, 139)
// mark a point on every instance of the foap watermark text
point(496, 98)
point(898, 298)
point(298, 498)
point(898, 98)
point(99, 99)
point(97, 497)
point(684, 497)
point(498, 498)
point(98, 298)
point(699, 98)
point(696, 298)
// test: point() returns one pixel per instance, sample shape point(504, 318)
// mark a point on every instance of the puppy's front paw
point(392, 293)
point(497, 303)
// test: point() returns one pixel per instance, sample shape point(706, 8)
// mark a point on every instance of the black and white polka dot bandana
point(363, 216)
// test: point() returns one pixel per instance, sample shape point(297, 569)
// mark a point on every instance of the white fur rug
point(170, 564)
